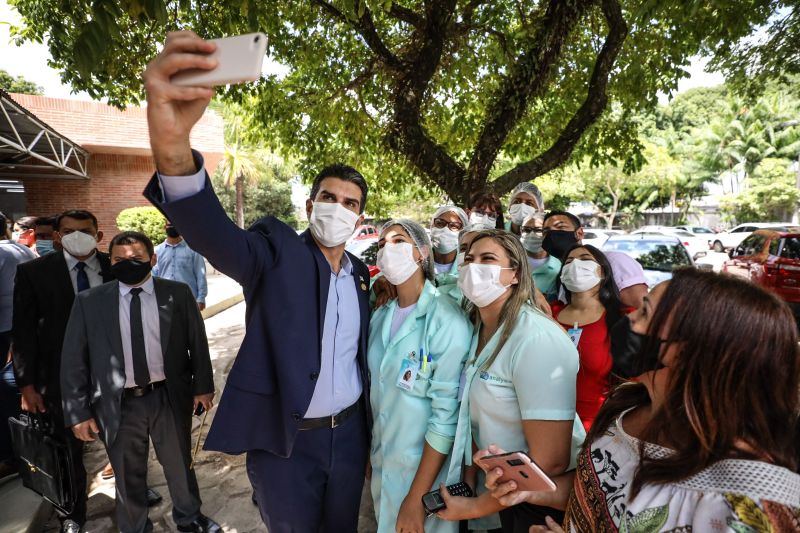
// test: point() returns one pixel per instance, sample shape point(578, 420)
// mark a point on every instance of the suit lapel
point(63, 280)
point(111, 317)
point(166, 304)
point(324, 278)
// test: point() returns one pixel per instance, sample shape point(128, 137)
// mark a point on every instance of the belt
point(328, 421)
point(138, 392)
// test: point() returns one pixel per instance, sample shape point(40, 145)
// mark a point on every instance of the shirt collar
point(182, 243)
point(148, 287)
point(347, 265)
point(93, 263)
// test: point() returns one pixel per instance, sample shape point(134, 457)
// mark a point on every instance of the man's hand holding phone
point(173, 110)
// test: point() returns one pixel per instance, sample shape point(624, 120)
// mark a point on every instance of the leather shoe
point(153, 498)
point(70, 526)
point(202, 524)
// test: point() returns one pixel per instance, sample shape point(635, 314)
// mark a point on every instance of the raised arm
point(181, 189)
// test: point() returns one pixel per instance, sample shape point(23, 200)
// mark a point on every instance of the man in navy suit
point(296, 399)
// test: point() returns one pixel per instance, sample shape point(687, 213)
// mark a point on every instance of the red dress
point(594, 349)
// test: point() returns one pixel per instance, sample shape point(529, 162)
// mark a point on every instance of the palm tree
point(238, 165)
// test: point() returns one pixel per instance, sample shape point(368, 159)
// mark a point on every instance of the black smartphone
point(199, 410)
point(434, 502)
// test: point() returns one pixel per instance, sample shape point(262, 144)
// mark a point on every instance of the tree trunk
point(240, 200)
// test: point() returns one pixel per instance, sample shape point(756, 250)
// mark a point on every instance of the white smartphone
point(240, 59)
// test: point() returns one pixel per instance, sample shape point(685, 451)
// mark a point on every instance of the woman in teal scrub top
point(417, 347)
point(519, 391)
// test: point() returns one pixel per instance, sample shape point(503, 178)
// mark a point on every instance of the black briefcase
point(45, 464)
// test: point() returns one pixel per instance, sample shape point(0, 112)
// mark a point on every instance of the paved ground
point(223, 482)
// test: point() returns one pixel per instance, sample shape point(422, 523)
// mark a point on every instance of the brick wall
point(117, 183)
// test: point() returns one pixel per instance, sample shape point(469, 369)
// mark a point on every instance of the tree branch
point(528, 78)
point(586, 115)
point(406, 15)
point(366, 28)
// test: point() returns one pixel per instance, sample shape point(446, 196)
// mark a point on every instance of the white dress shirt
point(151, 327)
point(92, 270)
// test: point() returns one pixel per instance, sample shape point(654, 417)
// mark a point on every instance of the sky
point(30, 61)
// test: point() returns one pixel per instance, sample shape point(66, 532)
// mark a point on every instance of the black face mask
point(556, 243)
point(130, 271)
point(632, 353)
point(172, 233)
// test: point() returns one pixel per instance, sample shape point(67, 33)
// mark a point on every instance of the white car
point(698, 231)
point(734, 237)
point(696, 246)
point(597, 237)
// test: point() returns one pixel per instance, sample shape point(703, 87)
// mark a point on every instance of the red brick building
point(100, 157)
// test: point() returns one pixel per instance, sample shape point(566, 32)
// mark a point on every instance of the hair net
point(451, 209)
point(531, 189)
point(539, 215)
point(421, 241)
point(467, 229)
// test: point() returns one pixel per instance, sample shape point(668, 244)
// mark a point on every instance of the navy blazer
point(285, 279)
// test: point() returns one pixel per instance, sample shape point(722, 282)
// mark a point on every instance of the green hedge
point(147, 220)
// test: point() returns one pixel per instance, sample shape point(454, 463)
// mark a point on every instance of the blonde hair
point(521, 293)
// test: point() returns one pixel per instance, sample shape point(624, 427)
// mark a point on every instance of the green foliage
point(772, 195)
point(262, 198)
point(18, 84)
point(339, 100)
point(147, 220)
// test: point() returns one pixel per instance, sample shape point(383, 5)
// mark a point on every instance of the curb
point(218, 307)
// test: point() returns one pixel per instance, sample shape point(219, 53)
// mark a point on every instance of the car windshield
point(652, 254)
point(702, 230)
point(370, 255)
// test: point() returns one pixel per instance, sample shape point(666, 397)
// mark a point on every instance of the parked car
point(367, 251)
point(732, 238)
point(658, 254)
point(697, 247)
point(597, 237)
point(698, 231)
point(364, 232)
point(771, 259)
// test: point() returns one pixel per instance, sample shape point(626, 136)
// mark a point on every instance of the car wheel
point(718, 247)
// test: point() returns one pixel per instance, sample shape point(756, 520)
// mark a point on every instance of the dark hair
point(45, 221)
point(609, 293)
point(734, 379)
point(3, 220)
point(26, 222)
point(132, 237)
point(572, 218)
point(77, 214)
point(343, 172)
point(482, 199)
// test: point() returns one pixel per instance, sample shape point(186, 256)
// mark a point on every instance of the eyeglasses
point(442, 223)
point(524, 230)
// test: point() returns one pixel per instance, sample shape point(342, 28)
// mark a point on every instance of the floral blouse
point(734, 495)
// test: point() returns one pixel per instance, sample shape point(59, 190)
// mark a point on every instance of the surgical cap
point(531, 189)
point(539, 215)
point(467, 229)
point(421, 241)
point(451, 209)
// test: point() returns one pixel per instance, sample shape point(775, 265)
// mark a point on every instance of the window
point(774, 244)
point(752, 245)
point(589, 235)
point(702, 230)
point(791, 248)
point(652, 255)
point(739, 229)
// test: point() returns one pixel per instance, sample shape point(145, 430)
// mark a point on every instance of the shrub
point(147, 220)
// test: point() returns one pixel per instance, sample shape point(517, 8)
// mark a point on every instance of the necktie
point(83, 278)
point(141, 374)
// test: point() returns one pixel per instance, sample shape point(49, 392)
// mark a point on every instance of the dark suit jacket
point(93, 365)
point(285, 279)
point(43, 296)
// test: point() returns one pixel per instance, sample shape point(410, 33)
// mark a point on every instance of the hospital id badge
point(408, 374)
point(575, 334)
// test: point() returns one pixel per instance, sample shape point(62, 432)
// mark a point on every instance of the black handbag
point(45, 463)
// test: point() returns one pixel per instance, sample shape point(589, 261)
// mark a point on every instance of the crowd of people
point(480, 336)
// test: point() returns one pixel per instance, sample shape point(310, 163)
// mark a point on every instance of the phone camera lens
point(257, 38)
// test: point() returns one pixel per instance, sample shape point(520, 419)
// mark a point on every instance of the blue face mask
point(44, 247)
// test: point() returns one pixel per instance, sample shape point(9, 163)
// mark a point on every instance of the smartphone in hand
point(199, 410)
point(239, 60)
point(521, 469)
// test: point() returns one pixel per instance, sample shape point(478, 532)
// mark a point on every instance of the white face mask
point(580, 275)
point(15, 236)
point(79, 244)
point(480, 222)
point(332, 224)
point(519, 213)
point(532, 242)
point(481, 283)
point(396, 262)
point(444, 240)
